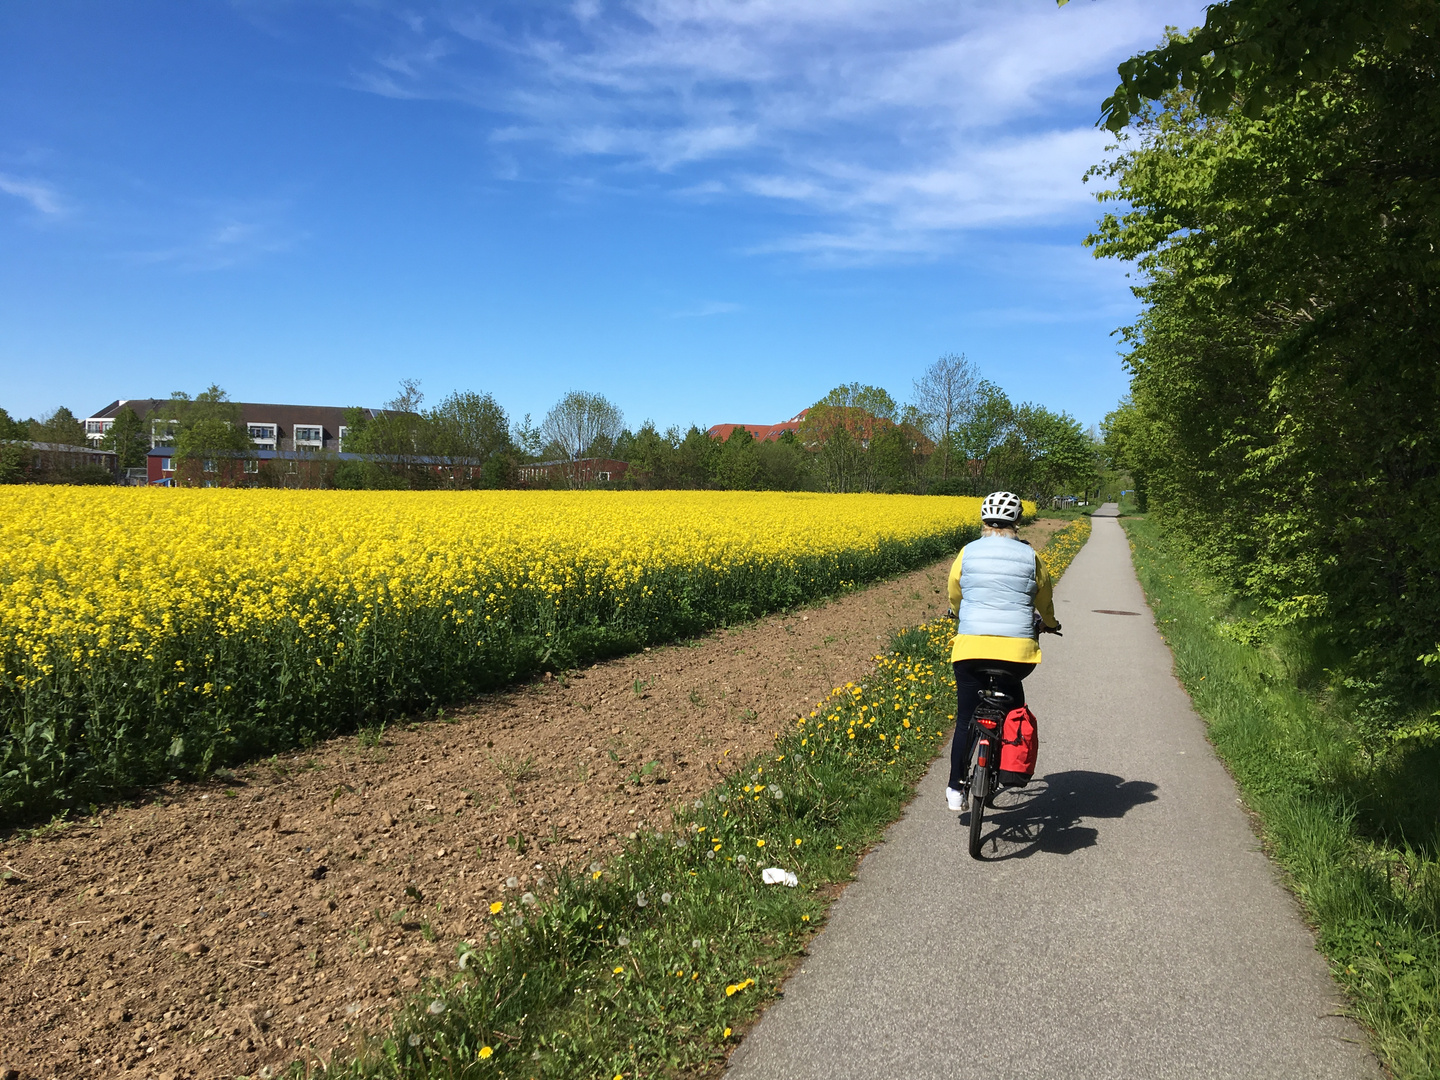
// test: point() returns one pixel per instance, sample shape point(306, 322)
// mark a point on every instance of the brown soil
point(1039, 531)
point(215, 929)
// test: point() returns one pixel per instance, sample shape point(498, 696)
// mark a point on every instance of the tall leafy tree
point(60, 427)
point(578, 421)
point(13, 429)
point(468, 429)
point(944, 398)
point(209, 438)
point(838, 430)
point(1285, 386)
point(129, 438)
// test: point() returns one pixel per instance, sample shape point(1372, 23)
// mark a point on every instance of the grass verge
point(649, 964)
point(1354, 824)
point(646, 965)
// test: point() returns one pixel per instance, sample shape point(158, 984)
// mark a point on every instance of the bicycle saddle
point(1000, 686)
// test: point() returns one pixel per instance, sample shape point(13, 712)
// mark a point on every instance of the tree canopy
point(1285, 388)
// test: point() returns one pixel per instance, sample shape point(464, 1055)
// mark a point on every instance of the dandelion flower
point(485, 1052)
point(497, 907)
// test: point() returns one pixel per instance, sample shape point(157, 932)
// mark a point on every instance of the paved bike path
point(1123, 924)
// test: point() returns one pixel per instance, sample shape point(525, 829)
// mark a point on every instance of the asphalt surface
point(1123, 922)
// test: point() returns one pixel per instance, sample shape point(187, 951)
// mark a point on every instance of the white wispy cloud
point(224, 238)
point(42, 197)
point(895, 123)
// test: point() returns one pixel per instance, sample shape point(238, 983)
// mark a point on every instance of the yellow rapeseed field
point(146, 633)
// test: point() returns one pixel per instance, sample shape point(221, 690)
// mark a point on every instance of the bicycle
point(998, 696)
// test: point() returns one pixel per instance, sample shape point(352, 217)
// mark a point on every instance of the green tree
point(737, 466)
point(210, 438)
point(60, 427)
point(13, 429)
point(12, 463)
point(784, 465)
point(944, 399)
point(839, 428)
point(393, 440)
point(652, 456)
point(469, 430)
point(1125, 430)
point(1252, 54)
point(697, 458)
point(581, 423)
point(129, 438)
point(1284, 384)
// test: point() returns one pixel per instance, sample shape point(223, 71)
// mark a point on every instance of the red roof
point(762, 432)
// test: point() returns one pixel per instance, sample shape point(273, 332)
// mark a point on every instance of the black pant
point(967, 698)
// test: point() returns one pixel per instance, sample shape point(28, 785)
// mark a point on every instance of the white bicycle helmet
point(1000, 508)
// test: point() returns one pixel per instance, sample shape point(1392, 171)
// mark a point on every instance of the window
point(306, 435)
point(602, 476)
point(209, 464)
point(262, 433)
point(165, 465)
point(340, 443)
point(162, 432)
point(98, 427)
point(251, 465)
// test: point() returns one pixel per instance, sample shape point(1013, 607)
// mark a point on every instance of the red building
point(582, 471)
point(762, 432)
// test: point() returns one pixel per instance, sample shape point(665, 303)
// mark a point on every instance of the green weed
point(1352, 817)
point(647, 964)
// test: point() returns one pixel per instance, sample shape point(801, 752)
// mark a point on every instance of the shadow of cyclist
point(1047, 814)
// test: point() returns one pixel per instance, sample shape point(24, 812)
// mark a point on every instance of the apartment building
point(271, 427)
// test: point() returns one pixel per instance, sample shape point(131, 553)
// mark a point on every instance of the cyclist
point(998, 584)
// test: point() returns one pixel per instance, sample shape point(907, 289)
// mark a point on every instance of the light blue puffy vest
point(997, 588)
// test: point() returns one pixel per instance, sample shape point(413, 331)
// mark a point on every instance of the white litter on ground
point(773, 875)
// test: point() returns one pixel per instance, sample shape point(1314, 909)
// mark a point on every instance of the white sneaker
point(956, 800)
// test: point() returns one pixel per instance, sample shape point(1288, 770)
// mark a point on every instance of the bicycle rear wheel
point(979, 796)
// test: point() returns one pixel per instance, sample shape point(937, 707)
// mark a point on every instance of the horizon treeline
point(959, 435)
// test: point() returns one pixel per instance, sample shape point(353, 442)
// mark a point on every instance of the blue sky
point(708, 210)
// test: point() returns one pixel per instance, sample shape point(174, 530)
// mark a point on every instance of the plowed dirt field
point(218, 929)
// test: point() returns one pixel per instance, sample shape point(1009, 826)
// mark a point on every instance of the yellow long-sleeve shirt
point(1021, 650)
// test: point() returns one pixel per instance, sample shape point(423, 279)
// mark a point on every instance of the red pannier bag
point(1019, 746)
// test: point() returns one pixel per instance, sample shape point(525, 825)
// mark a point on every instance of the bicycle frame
point(996, 701)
